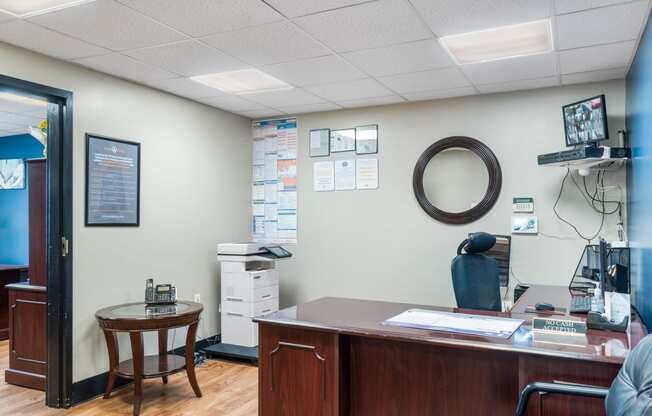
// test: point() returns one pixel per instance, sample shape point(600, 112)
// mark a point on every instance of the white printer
point(249, 289)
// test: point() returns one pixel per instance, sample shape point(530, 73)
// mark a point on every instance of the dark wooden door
point(37, 221)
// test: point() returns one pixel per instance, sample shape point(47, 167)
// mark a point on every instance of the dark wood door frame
point(59, 234)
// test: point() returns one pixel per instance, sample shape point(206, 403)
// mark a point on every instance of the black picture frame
point(605, 122)
point(342, 151)
point(329, 142)
point(357, 148)
point(88, 223)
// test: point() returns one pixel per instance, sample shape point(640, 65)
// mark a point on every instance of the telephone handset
point(164, 294)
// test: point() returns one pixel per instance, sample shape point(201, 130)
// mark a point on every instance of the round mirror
point(457, 180)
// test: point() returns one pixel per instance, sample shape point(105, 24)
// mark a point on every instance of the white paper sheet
point(342, 140)
point(287, 200)
point(258, 192)
point(259, 152)
point(345, 175)
point(367, 173)
point(324, 176)
point(319, 142)
point(456, 322)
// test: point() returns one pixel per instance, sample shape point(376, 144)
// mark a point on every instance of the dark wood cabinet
point(37, 177)
point(9, 273)
point(27, 311)
point(27, 352)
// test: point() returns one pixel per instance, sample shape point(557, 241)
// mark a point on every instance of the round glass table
point(136, 318)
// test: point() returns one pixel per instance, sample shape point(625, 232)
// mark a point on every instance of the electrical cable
point(577, 231)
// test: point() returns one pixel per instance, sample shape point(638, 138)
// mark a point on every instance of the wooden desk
point(333, 356)
point(136, 318)
point(9, 273)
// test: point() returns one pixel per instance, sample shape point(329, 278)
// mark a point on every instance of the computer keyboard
point(580, 304)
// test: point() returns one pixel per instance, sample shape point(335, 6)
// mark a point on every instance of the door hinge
point(65, 247)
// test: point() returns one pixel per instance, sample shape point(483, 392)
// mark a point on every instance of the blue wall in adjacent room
point(14, 216)
point(639, 126)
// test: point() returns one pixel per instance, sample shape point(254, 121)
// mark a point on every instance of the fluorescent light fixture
point(243, 81)
point(22, 99)
point(500, 43)
point(27, 8)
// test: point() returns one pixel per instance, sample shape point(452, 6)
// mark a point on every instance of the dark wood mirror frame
point(493, 189)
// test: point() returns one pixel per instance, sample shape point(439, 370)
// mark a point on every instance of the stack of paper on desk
point(456, 322)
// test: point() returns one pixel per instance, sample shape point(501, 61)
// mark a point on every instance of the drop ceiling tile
point(350, 90)
point(295, 8)
point(258, 114)
point(613, 55)
point(45, 41)
point(15, 107)
point(309, 108)
point(407, 57)
point(370, 102)
point(368, 25)
point(204, 17)
point(124, 67)
point(186, 87)
point(569, 6)
point(436, 79)
point(322, 70)
point(187, 58)
point(594, 76)
point(507, 70)
point(598, 26)
point(438, 94)
point(284, 98)
point(108, 24)
point(4, 133)
point(268, 44)
point(459, 16)
point(231, 103)
point(528, 84)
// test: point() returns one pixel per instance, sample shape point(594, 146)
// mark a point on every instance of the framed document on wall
point(112, 182)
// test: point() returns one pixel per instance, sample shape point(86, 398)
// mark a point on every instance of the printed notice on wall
point(323, 176)
point(274, 176)
point(112, 182)
point(366, 174)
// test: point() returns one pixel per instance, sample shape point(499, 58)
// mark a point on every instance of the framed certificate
point(112, 182)
point(320, 144)
point(366, 140)
point(342, 140)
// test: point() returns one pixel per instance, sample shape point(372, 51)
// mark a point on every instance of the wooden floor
point(228, 389)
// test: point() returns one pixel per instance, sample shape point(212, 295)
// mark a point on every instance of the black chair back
point(476, 279)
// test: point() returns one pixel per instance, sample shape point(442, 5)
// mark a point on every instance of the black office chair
point(630, 393)
point(476, 281)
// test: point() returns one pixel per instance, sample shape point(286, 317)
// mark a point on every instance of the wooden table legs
point(114, 360)
point(138, 360)
point(163, 348)
point(138, 370)
point(190, 358)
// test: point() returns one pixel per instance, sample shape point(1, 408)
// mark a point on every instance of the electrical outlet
point(197, 298)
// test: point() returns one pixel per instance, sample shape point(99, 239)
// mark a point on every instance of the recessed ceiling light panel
point(243, 81)
point(500, 43)
point(27, 8)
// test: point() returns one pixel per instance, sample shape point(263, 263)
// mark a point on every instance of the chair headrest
point(477, 243)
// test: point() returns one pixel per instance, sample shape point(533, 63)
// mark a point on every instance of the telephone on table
point(164, 294)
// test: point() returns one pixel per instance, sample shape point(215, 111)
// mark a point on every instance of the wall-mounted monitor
point(585, 122)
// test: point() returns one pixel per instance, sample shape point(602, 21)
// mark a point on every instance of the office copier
point(250, 288)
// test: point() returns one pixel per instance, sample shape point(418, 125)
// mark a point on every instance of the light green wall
point(381, 245)
point(194, 193)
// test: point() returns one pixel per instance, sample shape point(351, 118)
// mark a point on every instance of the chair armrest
point(557, 388)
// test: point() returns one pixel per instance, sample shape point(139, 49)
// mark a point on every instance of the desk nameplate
point(559, 326)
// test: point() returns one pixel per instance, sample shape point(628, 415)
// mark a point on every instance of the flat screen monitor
point(585, 121)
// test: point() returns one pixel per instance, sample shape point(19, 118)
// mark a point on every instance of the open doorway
point(35, 239)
